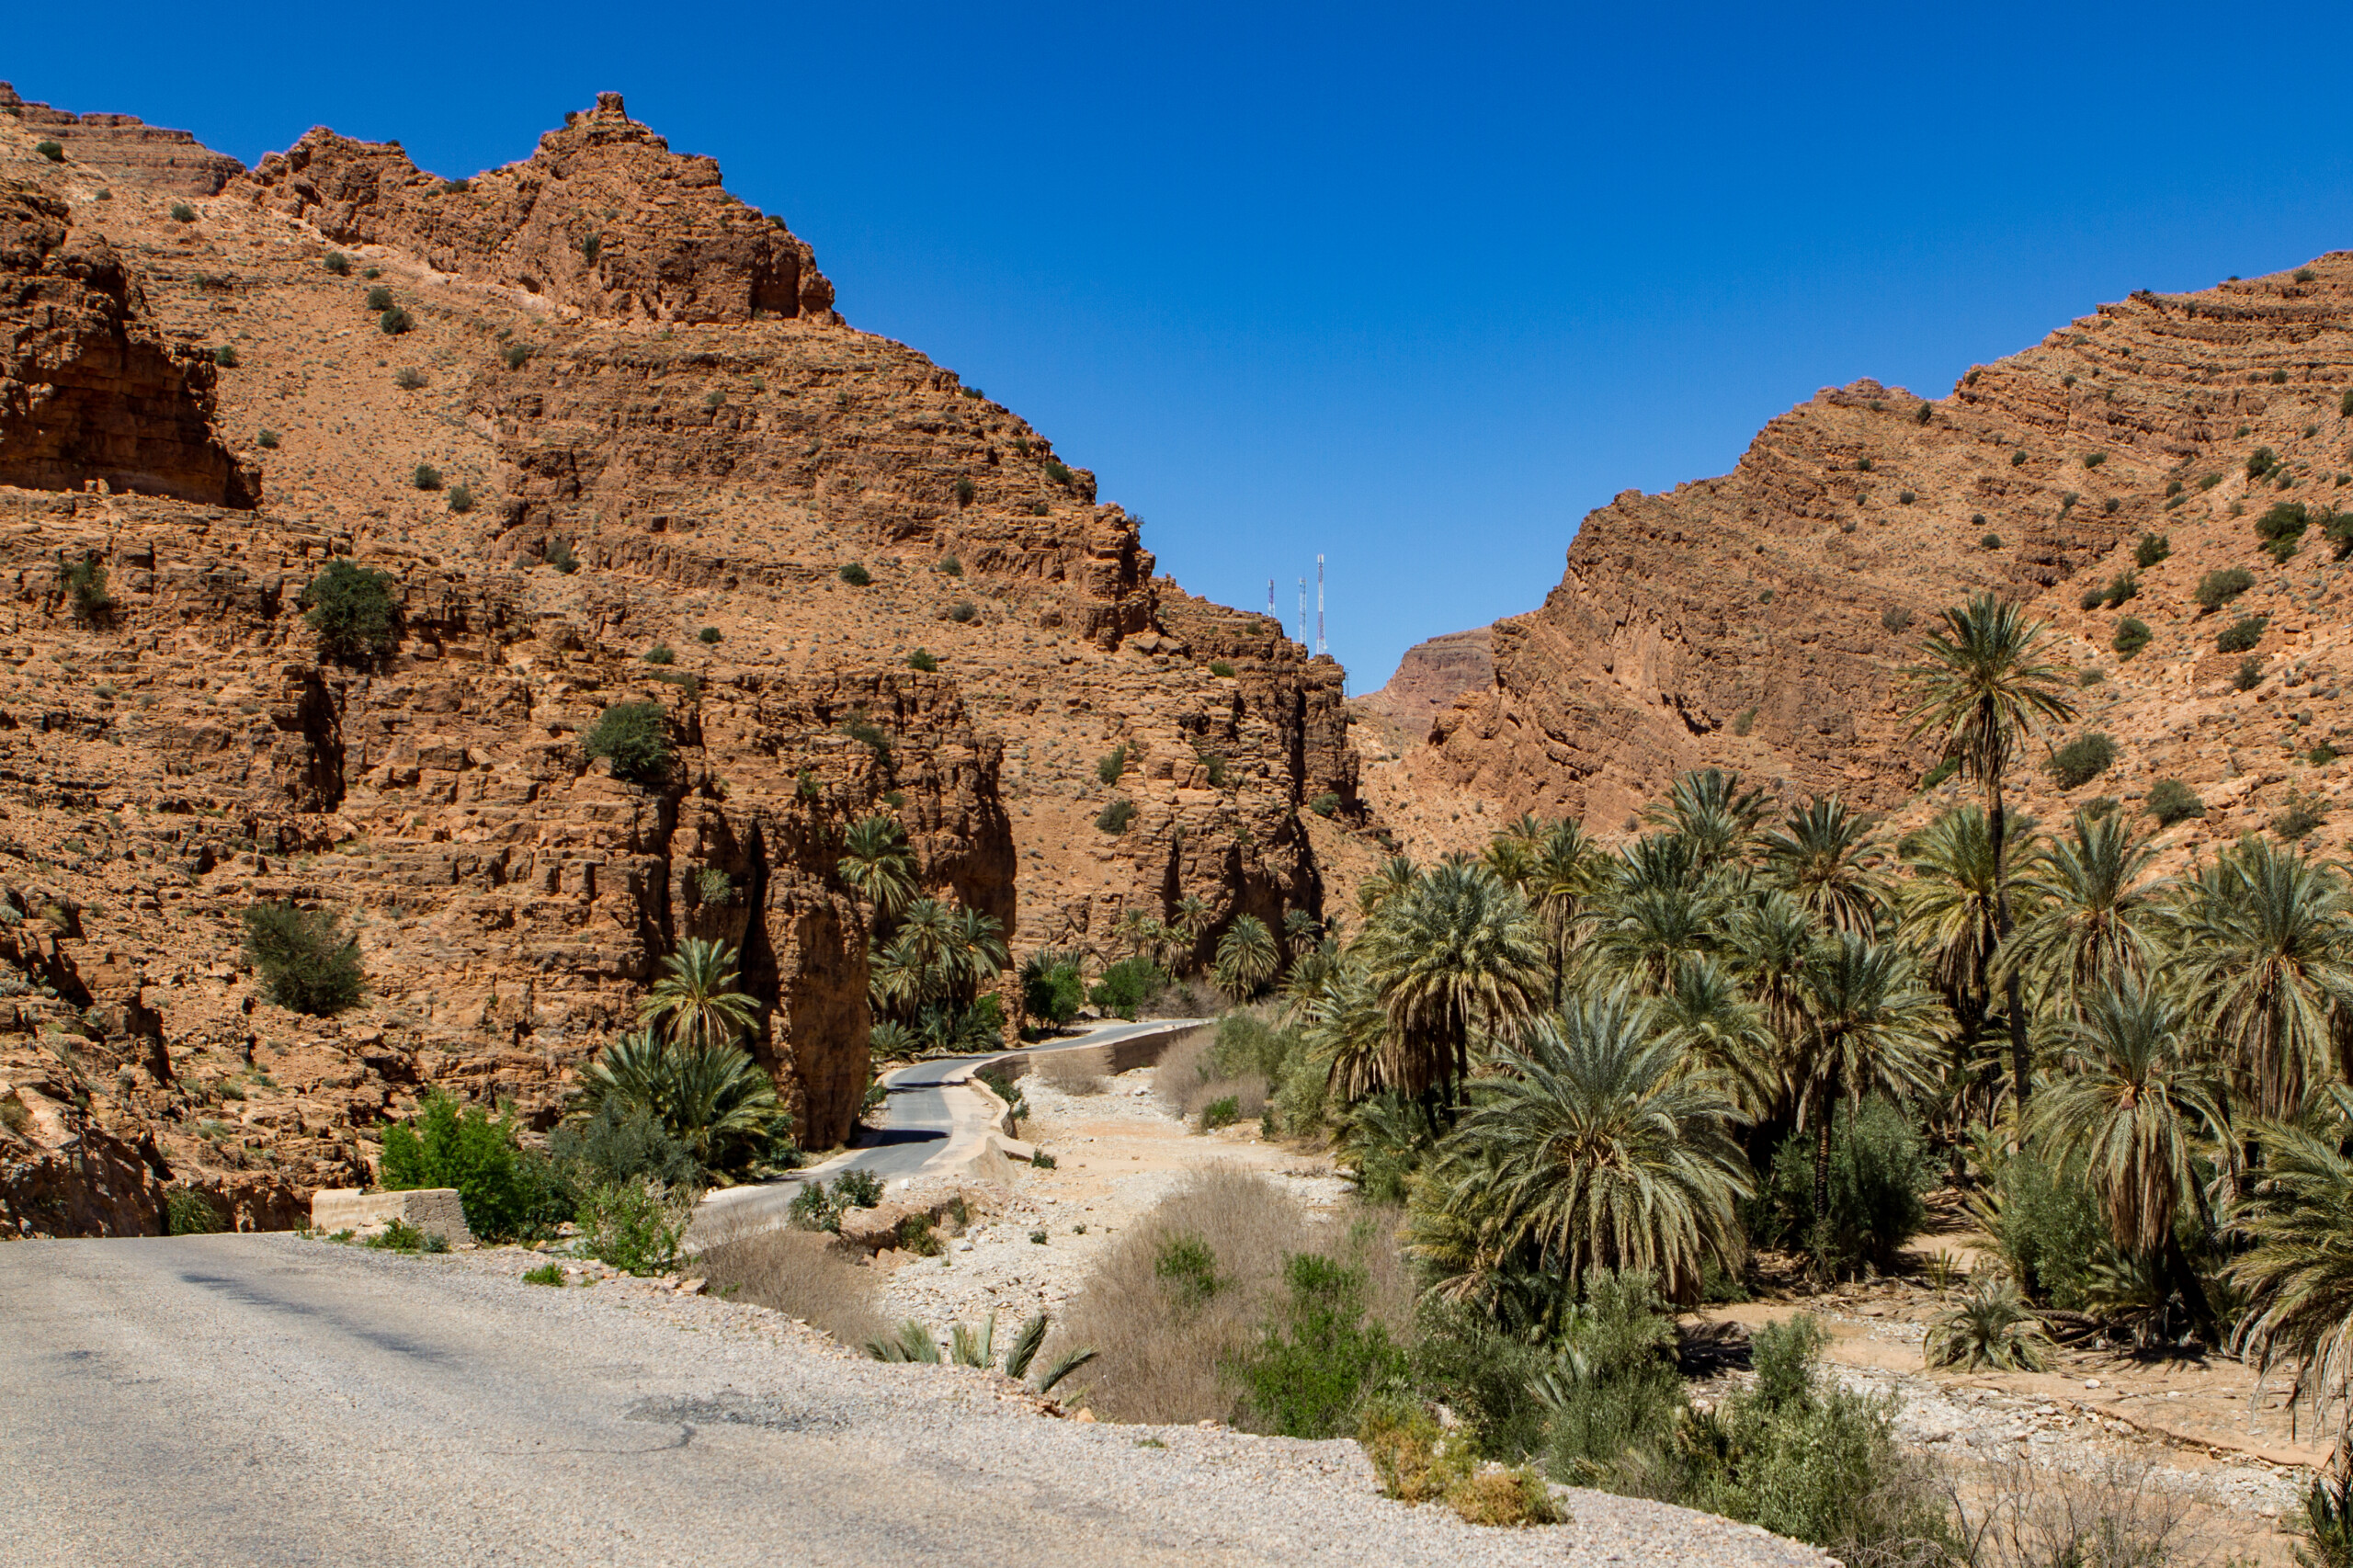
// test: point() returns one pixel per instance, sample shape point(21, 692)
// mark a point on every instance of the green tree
point(1590, 1149)
point(2095, 910)
point(1824, 856)
point(353, 611)
point(1453, 955)
point(1983, 686)
point(707, 1094)
point(503, 1191)
point(1951, 918)
point(305, 959)
point(1871, 1027)
point(1246, 959)
point(1710, 812)
point(876, 862)
point(696, 1001)
point(2298, 1269)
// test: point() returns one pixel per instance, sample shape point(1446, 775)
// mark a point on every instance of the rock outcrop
point(89, 391)
point(1432, 675)
point(124, 150)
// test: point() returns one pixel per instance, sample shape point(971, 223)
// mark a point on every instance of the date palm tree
point(2298, 1272)
point(1824, 856)
point(875, 861)
point(1869, 1026)
point(1567, 869)
point(1455, 954)
point(1710, 813)
point(2096, 912)
point(1588, 1150)
point(2264, 940)
point(1983, 685)
point(2136, 1103)
point(1246, 958)
point(708, 1093)
point(1949, 918)
point(696, 1002)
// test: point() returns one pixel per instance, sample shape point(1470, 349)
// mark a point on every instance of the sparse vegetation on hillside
point(2153, 548)
point(636, 736)
point(2171, 800)
point(2132, 634)
point(2216, 589)
point(352, 610)
point(855, 575)
point(2242, 634)
point(2083, 759)
point(303, 958)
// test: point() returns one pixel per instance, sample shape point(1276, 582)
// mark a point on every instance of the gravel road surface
point(266, 1400)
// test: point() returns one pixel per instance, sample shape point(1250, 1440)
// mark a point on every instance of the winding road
point(934, 1123)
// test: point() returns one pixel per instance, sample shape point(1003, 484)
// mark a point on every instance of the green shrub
point(855, 575)
point(558, 554)
point(1212, 768)
point(408, 377)
point(1895, 619)
point(54, 151)
point(1222, 667)
point(2249, 674)
point(2045, 1223)
point(952, 567)
point(1220, 1113)
point(1319, 1357)
point(372, 273)
point(518, 355)
point(1324, 806)
point(225, 356)
point(965, 492)
point(86, 599)
point(634, 1226)
point(2132, 634)
point(1905, 497)
point(461, 499)
point(2120, 590)
point(305, 961)
point(2083, 759)
point(2242, 634)
point(395, 322)
point(2302, 813)
point(545, 1274)
point(660, 653)
point(399, 1237)
point(426, 477)
point(921, 659)
point(2153, 547)
point(1127, 985)
point(334, 261)
point(183, 213)
point(1878, 1168)
point(380, 298)
point(507, 1191)
point(2323, 755)
point(2091, 678)
point(1943, 770)
point(266, 441)
point(1616, 1400)
point(2280, 528)
point(1115, 817)
point(1991, 541)
point(1111, 765)
point(188, 1212)
point(915, 1234)
point(2093, 460)
point(635, 735)
point(962, 611)
point(2261, 461)
point(708, 636)
point(2171, 800)
point(1053, 987)
point(1056, 471)
point(352, 610)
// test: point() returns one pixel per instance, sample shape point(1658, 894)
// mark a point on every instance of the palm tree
point(1710, 812)
point(2265, 945)
point(708, 1093)
point(1455, 953)
point(696, 1001)
point(1823, 858)
point(1720, 1031)
point(926, 950)
point(1568, 868)
point(1653, 933)
point(876, 862)
point(1949, 918)
point(1396, 875)
point(1347, 1031)
point(1869, 1024)
point(1302, 931)
point(2095, 917)
point(2135, 1104)
point(977, 955)
point(1246, 958)
point(1193, 917)
point(1983, 687)
point(1771, 948)
point(1589, 1151)
point(2298, 1274)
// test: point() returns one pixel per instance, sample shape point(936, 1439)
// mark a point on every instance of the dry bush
point(1163, 1333)
point(1187, 1081)
point(799, 1274)
point(2016, 1513)
point(1072, 1072)
point(1183, 999)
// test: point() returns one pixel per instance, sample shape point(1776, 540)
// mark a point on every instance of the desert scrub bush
point(85, 585)
point(266, 441)
point(2280, 526)
point(2046, 1224)
point(1223, 668)
point(225, 356)
point(425, 476)
point(2120, 589)
point(188, 1212)
point(408, 377)
point(516, 356)
point(660, 653)
point(53, 151)
point(1895, 619)
point(334, 261)
point(395, 322)
point(2261, 461)
point(2242, 634)
point(1127, 985)
point(2153, 547)
point(2249, 675)
point(507, 1191)
point(1324, 806)
point(1990, 1327)
point(1991, 541)
point(965, 490)
point(635, 735)
point(2132, 634)
point(2303, 814)
point(962, 611)
point(636, 1226)
point(621, 1141)
point(1905, 497)
point(1053, 986)
point(461, 499)
point(183, 213)
point(2093, 460)
point(2171, 800)
point(2083, 759)
point(1058, 472)
point(380, 298)
point(1318, 1356)
point(372, 273)
point(1115, 817)
point(399, 1237)
point(306, 961)
point(1878, 1168)
point(855, 574)
point(545, 1274)
point(952, 567)
point(708, 636)
point(799, 1274)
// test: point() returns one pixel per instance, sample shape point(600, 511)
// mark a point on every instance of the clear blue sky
point(1413, 287)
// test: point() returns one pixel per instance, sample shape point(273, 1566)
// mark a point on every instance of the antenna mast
point(1319, 606)
point(1270, 603)
point(1303, 612)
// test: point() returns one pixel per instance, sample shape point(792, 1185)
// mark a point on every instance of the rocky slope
point(649, 430)
point(1760, 621)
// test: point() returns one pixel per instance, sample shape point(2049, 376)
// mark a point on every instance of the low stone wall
point(433, 1209)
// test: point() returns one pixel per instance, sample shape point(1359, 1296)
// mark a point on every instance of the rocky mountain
point(1761, 621)
point(583, 409)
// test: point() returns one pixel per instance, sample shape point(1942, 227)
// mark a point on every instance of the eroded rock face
point(1432, 675)
point(648, 493)
point(124, 150)
point(603, 219)
point(89, 391)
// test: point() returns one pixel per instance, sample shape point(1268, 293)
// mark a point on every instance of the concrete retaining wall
point(433, 1209)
